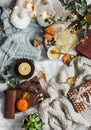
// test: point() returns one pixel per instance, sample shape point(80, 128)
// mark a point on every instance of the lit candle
point(45, 15)
point(24, 68)
point(16, 7)
point(74, 17)
point(29, 6)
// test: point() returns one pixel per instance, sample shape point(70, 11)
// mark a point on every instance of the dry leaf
point(71, 80)
point(37, 43)
point(67, 58)
point(42, 76)
point(48, 36)
point(49, 33)
point(50, 30)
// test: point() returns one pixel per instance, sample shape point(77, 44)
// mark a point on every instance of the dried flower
point(48, 36)
point(71, 80)
point(50, 31)
point(67, 58)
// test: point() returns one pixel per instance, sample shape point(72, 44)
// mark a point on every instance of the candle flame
point(45, 15)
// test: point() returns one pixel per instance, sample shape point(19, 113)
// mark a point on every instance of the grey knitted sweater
point(16, 43)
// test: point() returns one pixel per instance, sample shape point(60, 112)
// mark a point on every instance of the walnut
point(37, 43)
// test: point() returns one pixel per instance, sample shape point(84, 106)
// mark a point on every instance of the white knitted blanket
point(56, 111)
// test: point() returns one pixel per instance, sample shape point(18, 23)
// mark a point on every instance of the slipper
point(22, 14)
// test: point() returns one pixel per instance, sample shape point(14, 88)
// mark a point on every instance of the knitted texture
point(7, 3)
point(21, 16)
point(57, 111)
point(18, 43)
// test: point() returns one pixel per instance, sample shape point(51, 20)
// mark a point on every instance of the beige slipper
point(22, 14)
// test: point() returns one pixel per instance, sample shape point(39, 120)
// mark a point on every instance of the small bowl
point(53, 56)
point(24, 68)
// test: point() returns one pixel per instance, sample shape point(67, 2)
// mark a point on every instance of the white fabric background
point(49, 67)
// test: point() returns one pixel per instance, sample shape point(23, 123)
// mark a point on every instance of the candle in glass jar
point(24, 68)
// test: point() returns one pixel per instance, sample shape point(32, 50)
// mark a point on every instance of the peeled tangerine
point(22, 105)
point(66, 41)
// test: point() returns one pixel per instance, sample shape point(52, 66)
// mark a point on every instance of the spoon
point(55, 52)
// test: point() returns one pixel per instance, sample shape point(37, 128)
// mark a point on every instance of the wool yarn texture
point(17, 43)
point(57, 111)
